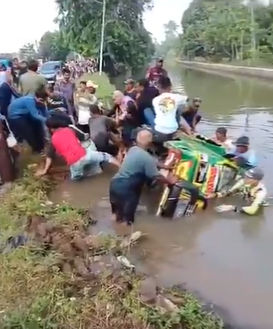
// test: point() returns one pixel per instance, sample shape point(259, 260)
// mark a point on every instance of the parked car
point(50, 70)
point(4, 62)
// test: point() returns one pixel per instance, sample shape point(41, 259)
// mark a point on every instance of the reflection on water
point(226, 258)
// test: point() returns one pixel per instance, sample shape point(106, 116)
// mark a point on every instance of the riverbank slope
point(225, 69)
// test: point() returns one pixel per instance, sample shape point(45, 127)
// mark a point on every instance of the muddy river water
point(227, 258)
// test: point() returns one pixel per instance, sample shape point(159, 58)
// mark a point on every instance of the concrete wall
point(222, 69)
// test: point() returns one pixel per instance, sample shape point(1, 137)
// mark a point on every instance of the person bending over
point(27, 116)
point(167, 111)
point(127, 116)
point(101, 128)
point(64, 142)
point(242, 153)
point(137, 169)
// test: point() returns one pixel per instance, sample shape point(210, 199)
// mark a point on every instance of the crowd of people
point(78, 67)
point(69, 121)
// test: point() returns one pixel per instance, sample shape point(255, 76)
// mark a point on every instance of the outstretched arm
point(253, 208)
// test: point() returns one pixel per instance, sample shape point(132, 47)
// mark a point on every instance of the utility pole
point(102, 36)
point(253, 36)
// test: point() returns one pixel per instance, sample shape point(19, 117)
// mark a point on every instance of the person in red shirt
point(66, 143)
point(155, 72)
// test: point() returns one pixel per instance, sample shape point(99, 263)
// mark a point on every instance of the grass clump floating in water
point(62, 277)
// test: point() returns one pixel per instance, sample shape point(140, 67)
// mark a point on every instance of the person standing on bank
point(66, 87)
point(85, 98)
point(138, 168)
point(31, 81)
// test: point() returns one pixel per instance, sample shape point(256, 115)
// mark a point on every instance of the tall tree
point(126, 39)
point(52, 46)
point(235, 29)
point(45, 45)
point(171, 29)
point(171, 44)
point(28, 52)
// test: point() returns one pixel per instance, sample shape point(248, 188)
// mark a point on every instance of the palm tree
point(171, 29)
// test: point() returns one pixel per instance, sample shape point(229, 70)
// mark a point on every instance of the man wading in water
point(138, 168)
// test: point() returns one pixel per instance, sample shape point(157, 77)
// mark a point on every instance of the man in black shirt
point(145, 101)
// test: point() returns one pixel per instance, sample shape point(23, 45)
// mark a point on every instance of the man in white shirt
point(167, 107)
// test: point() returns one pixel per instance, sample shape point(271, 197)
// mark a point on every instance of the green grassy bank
point(65, 278)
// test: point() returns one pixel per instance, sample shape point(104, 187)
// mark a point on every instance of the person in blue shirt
point(27, 116)
point(242, 153)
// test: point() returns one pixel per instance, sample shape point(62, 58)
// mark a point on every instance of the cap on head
point(130, 82)
point(91, 84)
point(254, 173)
point(242, 141)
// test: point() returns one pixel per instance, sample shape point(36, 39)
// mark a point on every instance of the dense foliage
point(126, 40)
point(52, 46)
point(171, 43)
point(28, 51)
point(236, 30)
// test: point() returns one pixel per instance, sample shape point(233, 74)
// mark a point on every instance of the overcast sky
point(21, 30)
